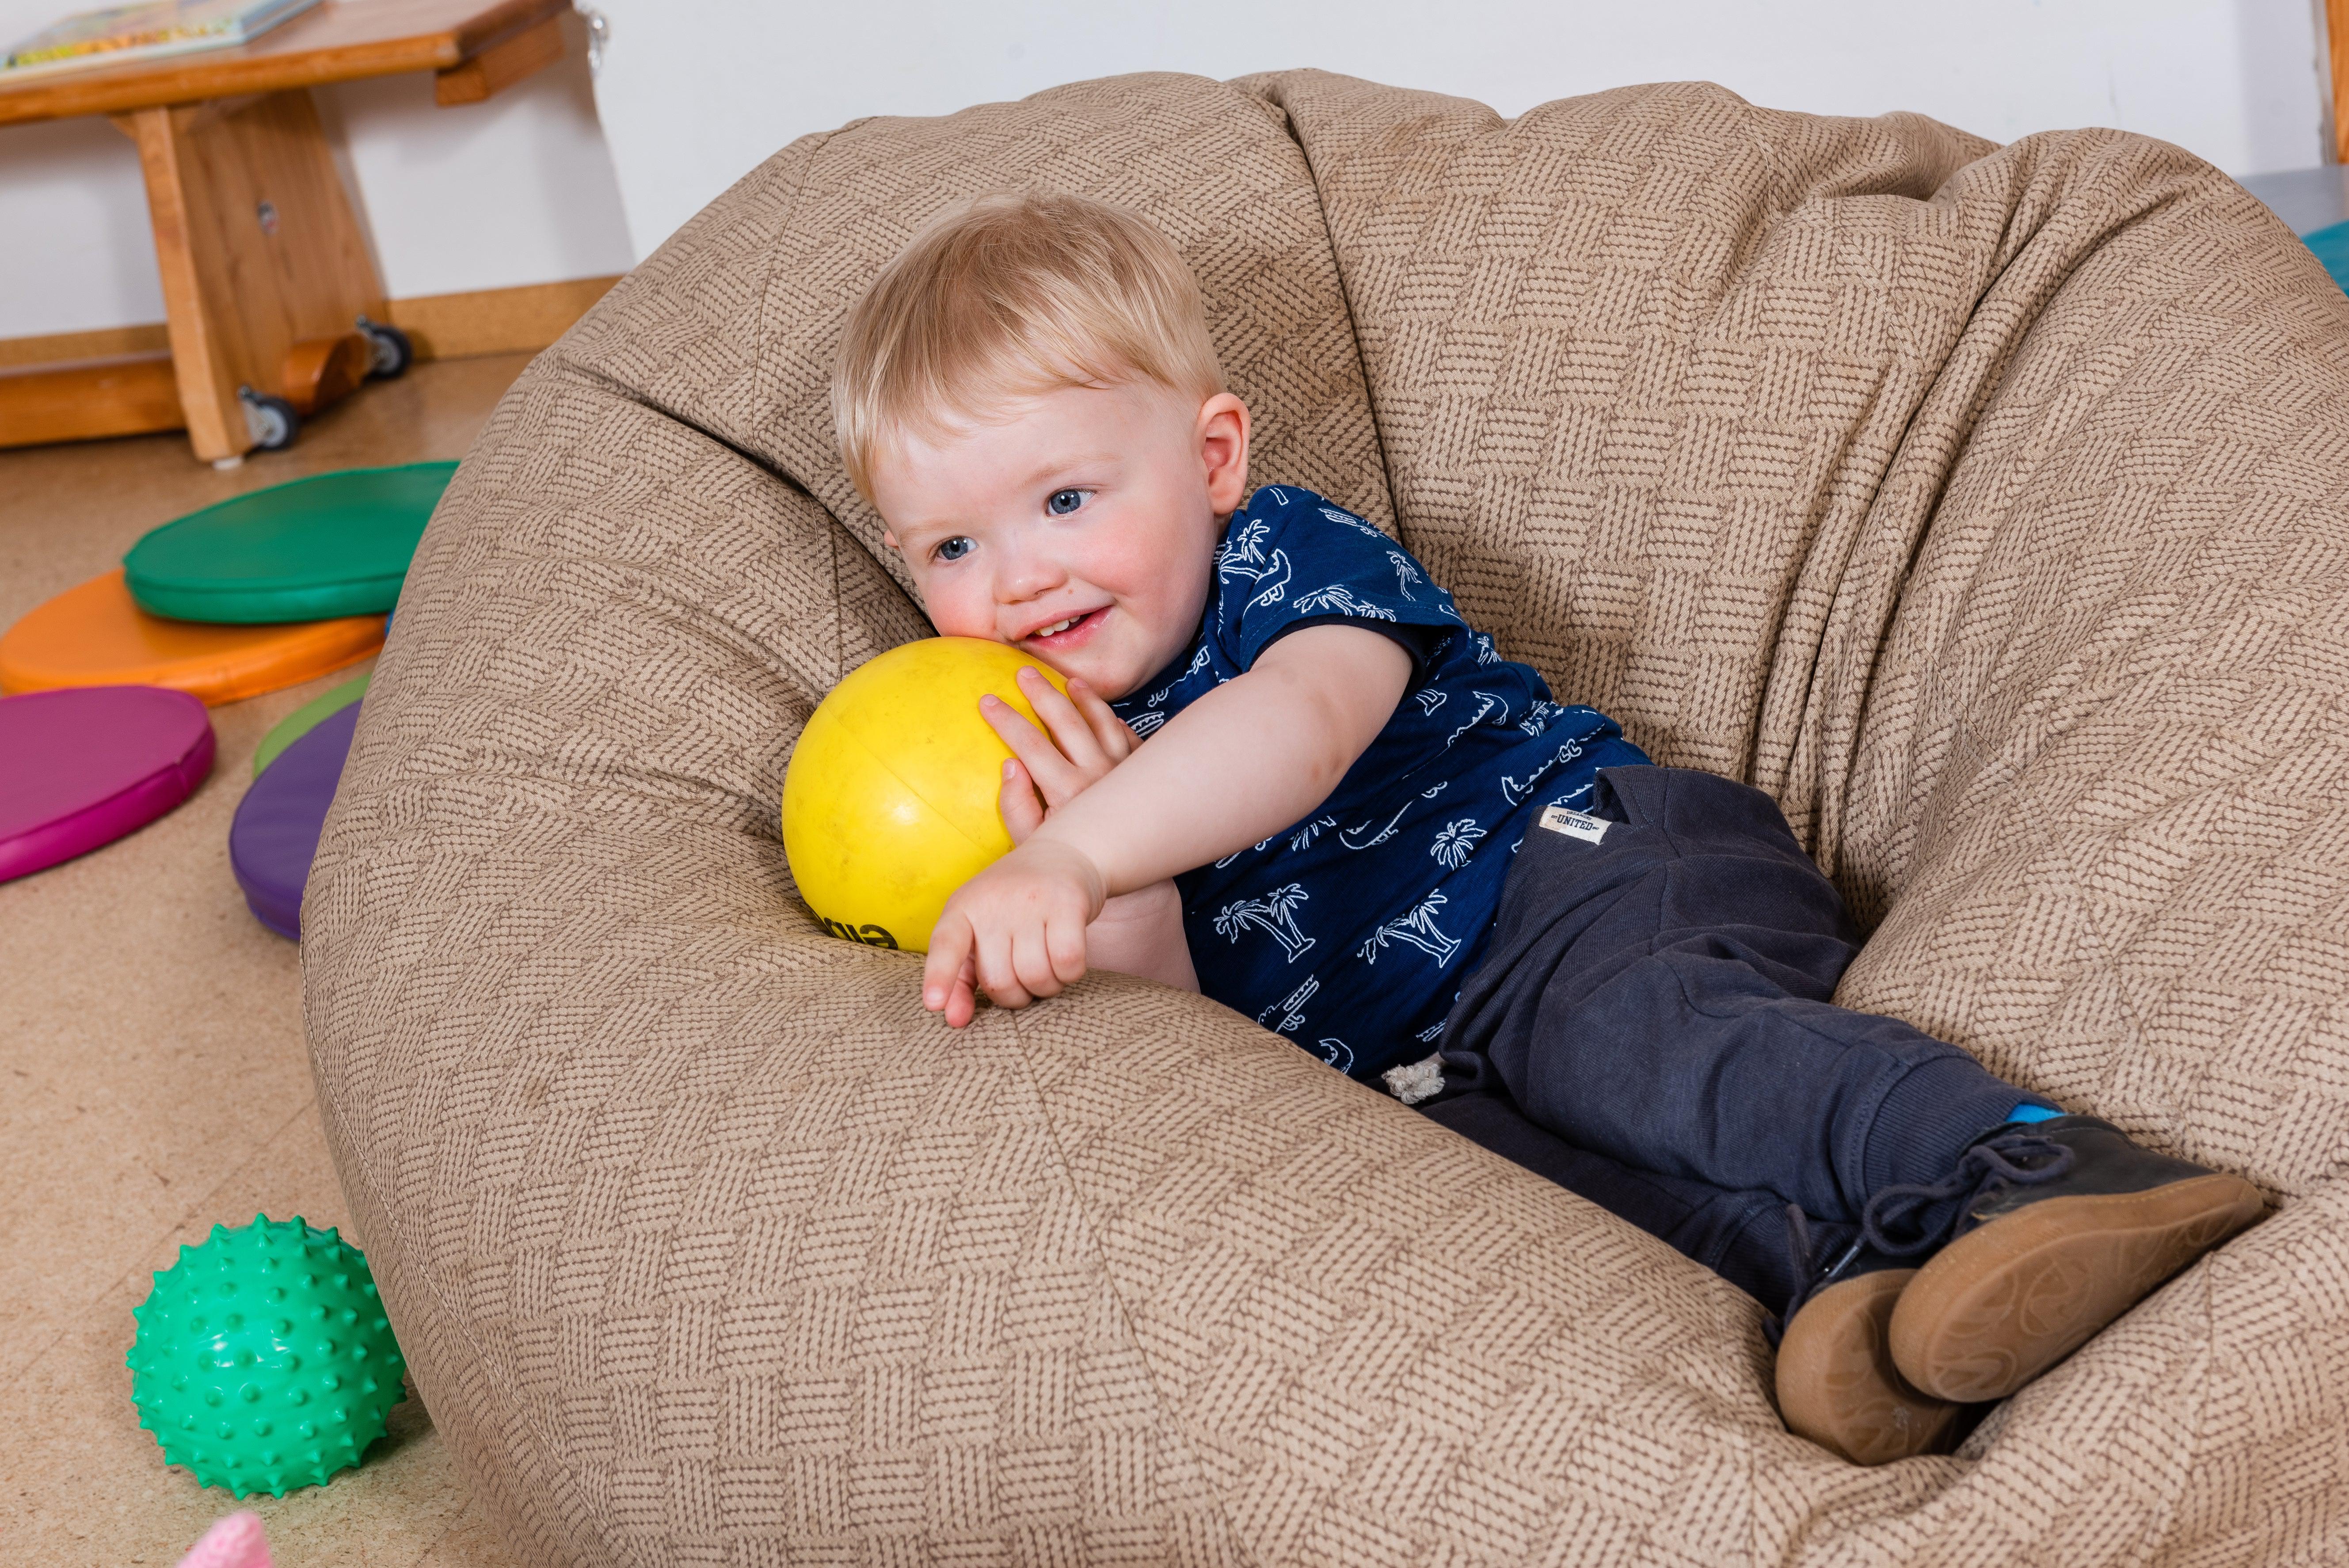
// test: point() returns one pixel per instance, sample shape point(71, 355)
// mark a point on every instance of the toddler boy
point(1287, 774)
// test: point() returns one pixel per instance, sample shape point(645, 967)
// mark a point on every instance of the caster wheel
point(271, 421)
point(393, 352)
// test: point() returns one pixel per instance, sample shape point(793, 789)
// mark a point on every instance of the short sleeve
point(1290, 560)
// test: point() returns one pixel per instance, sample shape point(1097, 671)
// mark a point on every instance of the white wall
point(696, 92)
point(518, 189)
point(521, 189)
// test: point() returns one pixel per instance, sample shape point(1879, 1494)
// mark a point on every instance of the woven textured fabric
point(1982, 504)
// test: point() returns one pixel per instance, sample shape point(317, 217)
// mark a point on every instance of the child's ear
point(889, 538)
point(1223, 449)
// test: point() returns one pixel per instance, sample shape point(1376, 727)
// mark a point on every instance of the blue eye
point(1060, 503)
point(955, 549)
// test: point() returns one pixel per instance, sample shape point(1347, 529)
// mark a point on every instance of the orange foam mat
point(95, 634)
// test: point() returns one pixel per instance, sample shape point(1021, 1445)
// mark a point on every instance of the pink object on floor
point(234, 1540)
point(81, 767)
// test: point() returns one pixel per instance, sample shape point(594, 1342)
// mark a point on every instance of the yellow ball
point(890, 803)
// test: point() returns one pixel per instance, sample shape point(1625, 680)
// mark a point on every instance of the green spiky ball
point(264, 1360)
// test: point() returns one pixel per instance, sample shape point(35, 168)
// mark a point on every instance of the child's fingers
point(1065, 950)
point(964, 1003)
point(1050, 957)
point(1070, 731)
point(996, 972)
point(1023, 812)
point(949, 957)
point(1031, 959)
point(1055, 778)
point(1110, 733)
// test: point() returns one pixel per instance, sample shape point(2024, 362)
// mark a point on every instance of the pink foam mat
point(81, 767)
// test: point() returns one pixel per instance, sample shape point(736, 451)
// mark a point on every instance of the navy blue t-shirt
point(1351, 932)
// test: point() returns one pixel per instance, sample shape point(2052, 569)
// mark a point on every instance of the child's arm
point(1235, 767)
point(1138, 932)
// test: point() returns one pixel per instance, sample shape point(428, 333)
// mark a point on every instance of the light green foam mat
point(306, 718)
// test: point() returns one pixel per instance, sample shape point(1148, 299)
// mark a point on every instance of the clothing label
point(1575, 824)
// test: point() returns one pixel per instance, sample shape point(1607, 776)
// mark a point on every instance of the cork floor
point(153, 1078)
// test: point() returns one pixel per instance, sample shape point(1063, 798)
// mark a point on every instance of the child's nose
point(1025, 575)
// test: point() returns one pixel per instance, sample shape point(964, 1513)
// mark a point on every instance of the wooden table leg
point(258, 245)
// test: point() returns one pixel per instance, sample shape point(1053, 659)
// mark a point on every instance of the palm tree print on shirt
point(1455, 842)
point(1275, 914)
point(1415, 928)
point(1339, 600)
point(1405, 573)
point(1243, 556)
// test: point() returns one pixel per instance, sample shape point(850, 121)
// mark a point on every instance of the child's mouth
point(1063, 636)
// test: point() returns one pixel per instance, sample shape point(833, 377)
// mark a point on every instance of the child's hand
point(1137, 933)
point(1086, 740)
point(1017, 929)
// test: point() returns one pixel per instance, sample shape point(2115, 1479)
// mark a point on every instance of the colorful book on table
point(122, 34)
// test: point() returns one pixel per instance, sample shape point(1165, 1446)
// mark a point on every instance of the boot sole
point(1838, 1385)
point(2003, 1303)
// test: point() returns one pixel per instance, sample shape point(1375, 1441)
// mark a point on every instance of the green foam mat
point(331, 544)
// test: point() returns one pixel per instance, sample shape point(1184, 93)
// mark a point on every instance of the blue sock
point(2027, 1111)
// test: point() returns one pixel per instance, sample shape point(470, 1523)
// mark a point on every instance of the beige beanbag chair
point(1986, 505)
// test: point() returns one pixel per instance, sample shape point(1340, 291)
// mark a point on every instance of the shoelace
point(1986, 1168)
point(1983, 1169)
point(1807, 1279)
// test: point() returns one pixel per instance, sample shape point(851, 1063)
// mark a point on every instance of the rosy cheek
point(957, 609)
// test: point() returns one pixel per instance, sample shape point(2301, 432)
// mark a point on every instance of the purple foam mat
point(81, 767)
point(275, 834)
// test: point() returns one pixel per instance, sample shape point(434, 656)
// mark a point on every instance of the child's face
point(1079, 525)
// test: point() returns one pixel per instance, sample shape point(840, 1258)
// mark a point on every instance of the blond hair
point(1009, 296)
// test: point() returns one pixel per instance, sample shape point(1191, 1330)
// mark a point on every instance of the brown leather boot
point(2062, 1226)
point(1836, 1382)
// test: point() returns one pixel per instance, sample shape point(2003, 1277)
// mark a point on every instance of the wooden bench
point(266, 274)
